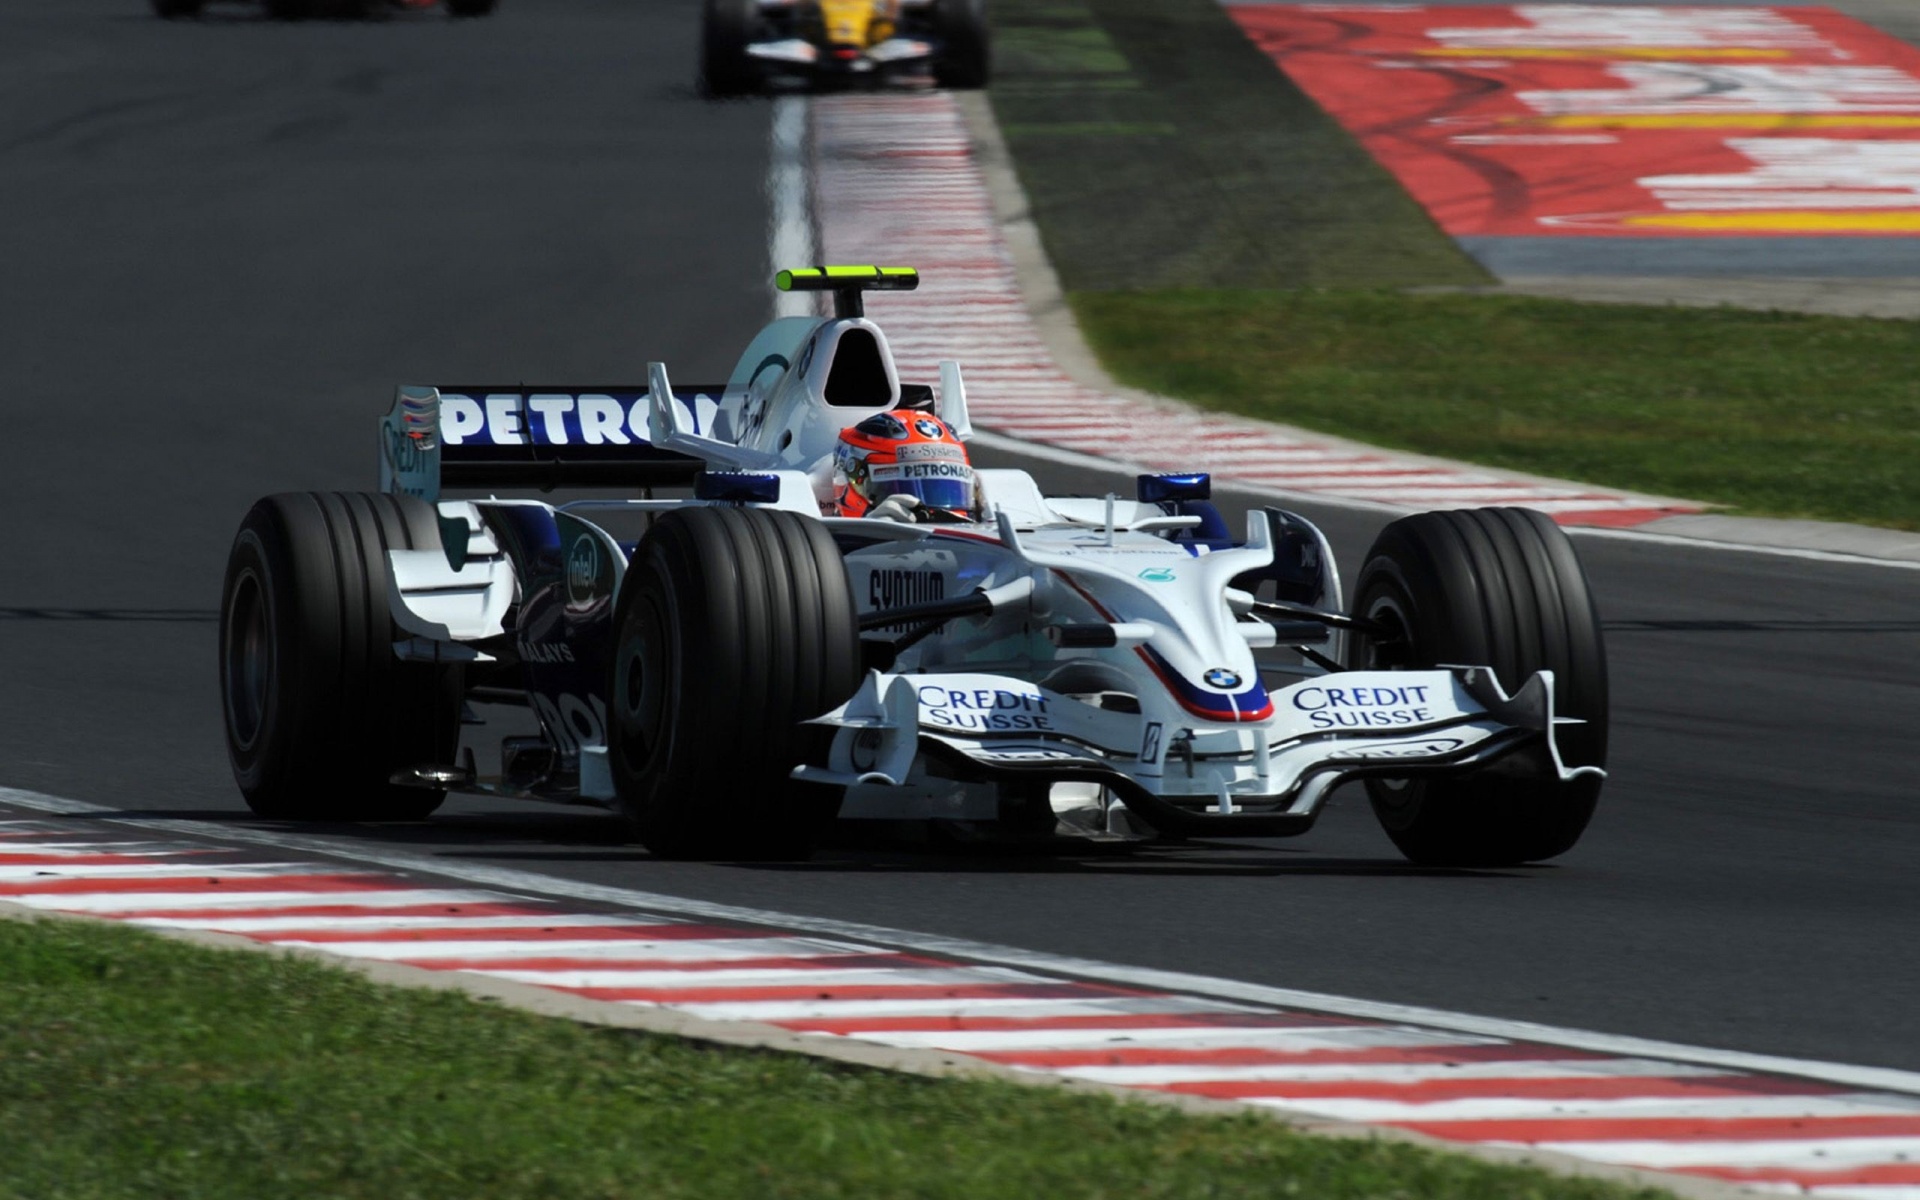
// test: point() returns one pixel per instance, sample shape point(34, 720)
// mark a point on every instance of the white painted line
point(1012, 1008)
point(1519, 1108)
point(1667, 539)
point(1805, 1154)
point(811, 1010)
point(1570, 1068)
point(116, 902)
point(1864, 1077)
point(781, 977)
point(56, 851)
point(55, 872)
point(690, 951)
point(256, 925)
point(1194, 1037)
point(790, 237)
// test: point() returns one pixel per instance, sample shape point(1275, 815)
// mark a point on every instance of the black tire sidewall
point(726, 28)
point(965, 57)
point(1501, 588)
point(743, 627)
point(340, 713)
point(250, 565)
point(645, 618)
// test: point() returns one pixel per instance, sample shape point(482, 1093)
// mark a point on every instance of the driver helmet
point(902, 453)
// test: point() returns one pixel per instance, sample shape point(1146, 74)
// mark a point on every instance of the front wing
point(900, 731)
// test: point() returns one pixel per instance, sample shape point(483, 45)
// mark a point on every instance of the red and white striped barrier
point(1774, 1132)
point(894, 179)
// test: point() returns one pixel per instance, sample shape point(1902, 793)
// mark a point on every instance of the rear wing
point(519, 436)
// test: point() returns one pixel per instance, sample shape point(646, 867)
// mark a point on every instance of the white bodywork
point(1116, 652)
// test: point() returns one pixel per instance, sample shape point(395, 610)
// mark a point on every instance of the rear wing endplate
point(521, 436)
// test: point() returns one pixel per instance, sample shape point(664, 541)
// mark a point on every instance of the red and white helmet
point(902, 453)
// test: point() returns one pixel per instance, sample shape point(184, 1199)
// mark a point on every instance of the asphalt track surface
point(226, 240)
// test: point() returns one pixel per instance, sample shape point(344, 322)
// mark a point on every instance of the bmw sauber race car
point(834, 615)
point(295, 10)
point(745, 43)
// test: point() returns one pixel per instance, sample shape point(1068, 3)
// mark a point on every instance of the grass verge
point(1159, 148)
point(1196, 204)
point(1774, 414)
point(134, 1066)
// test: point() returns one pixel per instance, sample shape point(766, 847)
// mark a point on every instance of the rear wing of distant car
point(520, 436)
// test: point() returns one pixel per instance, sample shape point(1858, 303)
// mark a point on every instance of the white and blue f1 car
point(750, 666)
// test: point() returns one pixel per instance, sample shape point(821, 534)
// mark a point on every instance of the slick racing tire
point(1497, 587)
point(178, 8)
point(963, 57)
point(319, 713)
point(734, 626)
point(726, 28)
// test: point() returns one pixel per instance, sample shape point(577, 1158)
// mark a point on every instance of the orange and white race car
point(746, 43)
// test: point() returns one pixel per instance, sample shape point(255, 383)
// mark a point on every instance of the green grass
point(1771, 413)
point(1196, 204)
point(1159, 148)
point(136, 1067)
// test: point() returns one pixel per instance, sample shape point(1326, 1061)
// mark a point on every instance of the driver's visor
point(946, 485)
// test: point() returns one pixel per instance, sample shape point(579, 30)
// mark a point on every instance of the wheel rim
point(248, 654)
point(643, 686)
point(1395, 651)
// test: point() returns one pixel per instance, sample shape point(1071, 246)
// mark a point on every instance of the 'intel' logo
point(583, 572)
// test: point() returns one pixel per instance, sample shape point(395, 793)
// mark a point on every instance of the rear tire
point(319, 713)
point(726, 28)
point(734, 626)
point(964, 57)
point(1503, 588)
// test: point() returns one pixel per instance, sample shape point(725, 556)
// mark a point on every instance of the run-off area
point(1627, 121)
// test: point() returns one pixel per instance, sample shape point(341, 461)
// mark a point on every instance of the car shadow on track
point(1191, 860)
point(557, 839)
point(1791, 626)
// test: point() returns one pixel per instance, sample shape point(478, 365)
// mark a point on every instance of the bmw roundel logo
point(1220, 677)
point(929, 428)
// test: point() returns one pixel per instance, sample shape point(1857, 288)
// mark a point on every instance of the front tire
point(1503, 588)
point(319, 713)
point(734, 626)
point(964, 57)
point(726, 29)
